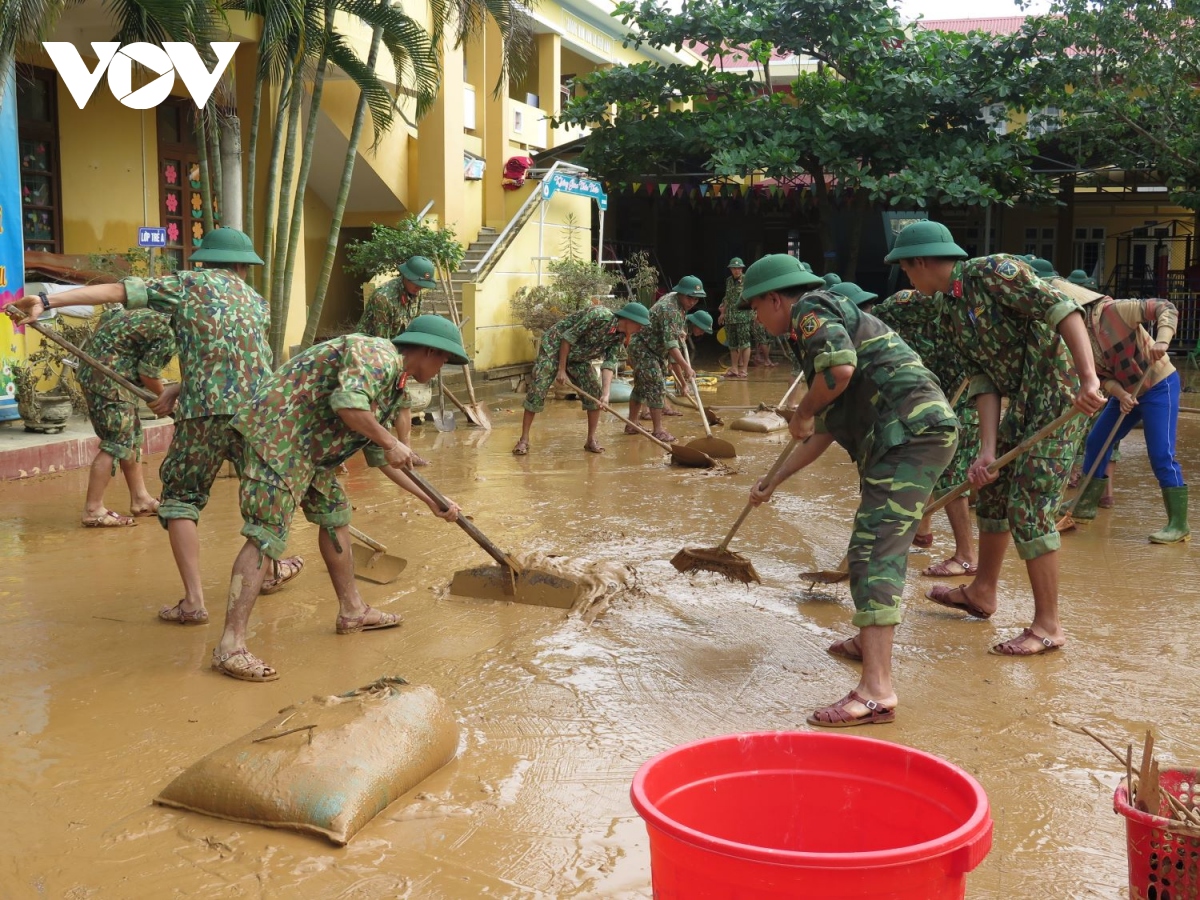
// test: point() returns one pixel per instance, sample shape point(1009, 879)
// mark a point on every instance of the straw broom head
point(726, 563)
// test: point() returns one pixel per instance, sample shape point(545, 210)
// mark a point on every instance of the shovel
point(475, 411)
point(714, 447)
point(684, 456)
point(374, 564)
point(442, 420)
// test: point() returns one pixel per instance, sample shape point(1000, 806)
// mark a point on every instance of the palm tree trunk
point(278, 140)
point(310, 139)
point(279, 300)
point(205, 183)
point(339, 208)
point(248, 201)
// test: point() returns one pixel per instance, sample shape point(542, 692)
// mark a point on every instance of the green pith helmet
point(853, 293)
point(701, 320)
point(228, 246)
point(805, 266)
point(435, 332)
point(832, 278)
point(773, 273)
point(924, 238)
point(634, 312)
point(1082, 278)
point(690, 286)
point(1043, 268)
point(736, 263)
point(419, 270)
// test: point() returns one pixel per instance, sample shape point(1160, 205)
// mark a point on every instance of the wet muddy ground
point(102, 704)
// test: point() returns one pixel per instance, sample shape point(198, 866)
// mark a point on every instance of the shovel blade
point(478, 416)
point(379, 568)
point(693, 459)
point(445, 421)
point(714, 447)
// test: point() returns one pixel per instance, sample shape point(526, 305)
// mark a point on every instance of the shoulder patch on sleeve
point(1008, 269)
point(809, 323)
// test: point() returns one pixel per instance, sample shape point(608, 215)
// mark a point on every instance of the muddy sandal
point(846, 649)
point(593, 447)
point(522, 448)
point(180, 616)
point(108, 519)
point(940, 594)
point(923, 541)
point(944, 570)
point(665, 436)
point(284, 570)
point(242, 665)
point(1016, 646)
point(629, 429)
point(355, 624)
point(835, 715)
point(146, 512)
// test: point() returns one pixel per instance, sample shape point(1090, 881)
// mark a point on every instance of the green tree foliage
point(888, 115)
point(1127, 78)
point(388, 247)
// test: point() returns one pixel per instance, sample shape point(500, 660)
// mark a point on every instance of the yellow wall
point(491, 335)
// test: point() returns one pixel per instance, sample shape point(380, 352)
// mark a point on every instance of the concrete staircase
point(475, 252)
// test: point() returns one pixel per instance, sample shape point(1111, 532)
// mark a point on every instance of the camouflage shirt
point(729, 305)
point(915, 318)
point(666, 326)
point(891, 395)
point(1003, 319)
point(592, 334)
point(220, 326)
point(292, 422)
point(389, 310)
point(133, 344)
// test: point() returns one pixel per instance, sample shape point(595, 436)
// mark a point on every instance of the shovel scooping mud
point(372, 562)
point(508, 580)
point(684, 456)
point(717, 448)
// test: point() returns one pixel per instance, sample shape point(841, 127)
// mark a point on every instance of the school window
point(37, 135)
point(181, 202)
point(972, 241)
point(1044, 120)
point(1089, 250)
point(996, 117)
point(1039, 242)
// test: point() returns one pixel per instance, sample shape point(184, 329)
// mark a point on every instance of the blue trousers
point(1158, 409)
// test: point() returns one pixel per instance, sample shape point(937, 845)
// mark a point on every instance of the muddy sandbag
point(327, 765)
point(762, 421)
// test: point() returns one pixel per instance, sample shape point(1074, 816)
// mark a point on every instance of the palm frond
point(25, 22)
point(374, 91)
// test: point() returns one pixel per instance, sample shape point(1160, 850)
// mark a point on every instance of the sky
point(975, 9)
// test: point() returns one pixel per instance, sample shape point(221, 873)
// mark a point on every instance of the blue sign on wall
point(12, 250)
point(575, 184)
point(149, 236)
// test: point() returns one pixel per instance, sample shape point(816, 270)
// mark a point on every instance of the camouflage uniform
point(914, 318)
point(132, 344)
point(592, 334)
point(292, 439)
point(759, 334)
point(896, 425)
point(649, 347)
point(1002, 318)
point(738, 322)
point(220, 326)
point(387, 312)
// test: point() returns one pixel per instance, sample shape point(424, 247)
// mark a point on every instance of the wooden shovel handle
point(1004, 460)
point(365, 539)
point(456, 402)
point(93, 362)
point(582, 393)
point(696, 390)
point(1091, 473)
point(466, 524)
point(961, 388)
point(787, 451)
point(791, 387)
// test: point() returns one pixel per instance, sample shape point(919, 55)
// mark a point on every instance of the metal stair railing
point(517, 222)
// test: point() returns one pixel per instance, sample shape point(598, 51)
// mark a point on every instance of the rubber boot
point(1175, 499)
point(1085, 508)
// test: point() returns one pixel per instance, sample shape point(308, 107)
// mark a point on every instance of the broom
point(1067, 522)
point(833, 576)
point(720, 559)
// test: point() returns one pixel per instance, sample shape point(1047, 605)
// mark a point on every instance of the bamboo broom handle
point(787, 451)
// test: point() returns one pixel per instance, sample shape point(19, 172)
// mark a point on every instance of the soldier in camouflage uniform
point(913, 317)
point(220, 326)
point(136, 345)
point(868, 391)
point(305, 420)
point(738, 322)
point(654, 345)
point(388, 311)
point(1014, 332)
point(566, 353)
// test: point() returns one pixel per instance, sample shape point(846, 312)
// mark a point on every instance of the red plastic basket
point(1164, 864)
